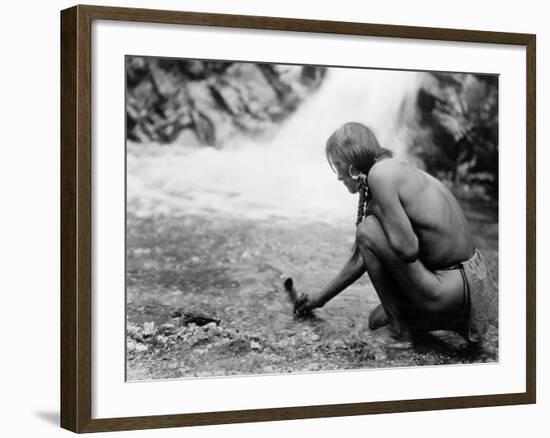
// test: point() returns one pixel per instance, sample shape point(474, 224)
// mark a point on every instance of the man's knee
point(369, 232)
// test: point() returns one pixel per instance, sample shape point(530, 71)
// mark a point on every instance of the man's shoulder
point(389, 171)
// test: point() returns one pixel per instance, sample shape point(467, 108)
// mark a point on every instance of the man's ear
point(356, 173)
point(353, 172)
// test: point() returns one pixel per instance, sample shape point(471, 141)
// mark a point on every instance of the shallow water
point(233, 269)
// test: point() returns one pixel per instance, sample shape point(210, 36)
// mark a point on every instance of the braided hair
point(363, 195)
point(364, 198)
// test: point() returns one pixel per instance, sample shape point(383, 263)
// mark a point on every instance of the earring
point(360, 176)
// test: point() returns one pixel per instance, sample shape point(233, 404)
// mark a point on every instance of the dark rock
point(215, 100)
point(168, 329)
point(175, 314)
point(198, 319)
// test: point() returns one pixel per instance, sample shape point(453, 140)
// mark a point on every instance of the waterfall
point(286, 176)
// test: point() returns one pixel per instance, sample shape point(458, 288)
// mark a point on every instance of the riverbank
point(205, 298)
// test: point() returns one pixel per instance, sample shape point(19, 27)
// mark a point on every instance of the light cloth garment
point(477, 291)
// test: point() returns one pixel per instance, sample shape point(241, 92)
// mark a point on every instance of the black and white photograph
point(286, 218)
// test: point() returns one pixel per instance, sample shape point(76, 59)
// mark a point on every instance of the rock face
point(458, 136)
point(200, 103)
point(207, 102)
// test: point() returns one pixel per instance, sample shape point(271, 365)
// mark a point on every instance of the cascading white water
point(284, 177)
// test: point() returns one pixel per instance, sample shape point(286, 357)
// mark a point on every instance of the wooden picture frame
point(76, 218)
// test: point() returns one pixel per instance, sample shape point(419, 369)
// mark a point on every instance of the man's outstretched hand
point(305, 304)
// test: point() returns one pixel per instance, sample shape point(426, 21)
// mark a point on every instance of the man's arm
point(350, 273)
point(384, 183)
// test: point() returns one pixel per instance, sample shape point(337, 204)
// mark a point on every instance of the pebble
point(232, 333)
point(141, 348)
point(175, 314)
point(168, 328)
point(132, 329)
point(380, 356)
point(314, 366)
point(315, 338)
point(275, 358)
point(148, 328)
point(268, 369)
point(255, 345)
point(338, 344)
point(210, 326)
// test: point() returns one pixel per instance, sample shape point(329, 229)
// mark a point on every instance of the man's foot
point(401, 337)
point(388, 339)
point(378, 318)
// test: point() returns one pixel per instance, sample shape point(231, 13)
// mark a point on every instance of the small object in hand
point(289, 287)
point(295, 299)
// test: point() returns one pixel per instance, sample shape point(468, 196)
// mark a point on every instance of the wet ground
point(205, 298)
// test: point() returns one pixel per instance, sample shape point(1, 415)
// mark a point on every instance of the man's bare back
point(434, 214)
point(413, 241)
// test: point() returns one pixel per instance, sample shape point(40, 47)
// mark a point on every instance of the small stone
point(140, 348)
point(148, 328)
point(175, 314)
point(232, 333)
point(268, 369)
point(380, 356)
point(168, 328)
point(275, 358)
point(132, 329)
point(130, 346)
point(314, 366)
point(338, 344)
point(255, 345)
point(315, 338)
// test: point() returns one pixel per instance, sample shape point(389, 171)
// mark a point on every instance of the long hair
point(355, 144)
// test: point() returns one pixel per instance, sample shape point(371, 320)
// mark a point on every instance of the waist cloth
point(475, 276)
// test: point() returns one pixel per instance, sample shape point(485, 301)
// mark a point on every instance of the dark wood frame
point(76, 218)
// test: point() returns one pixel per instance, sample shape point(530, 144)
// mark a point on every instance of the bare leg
point(378, 317)
point(388, 292)
point(403, 285)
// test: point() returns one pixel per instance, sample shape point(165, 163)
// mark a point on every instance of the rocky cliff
point(208, 102)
